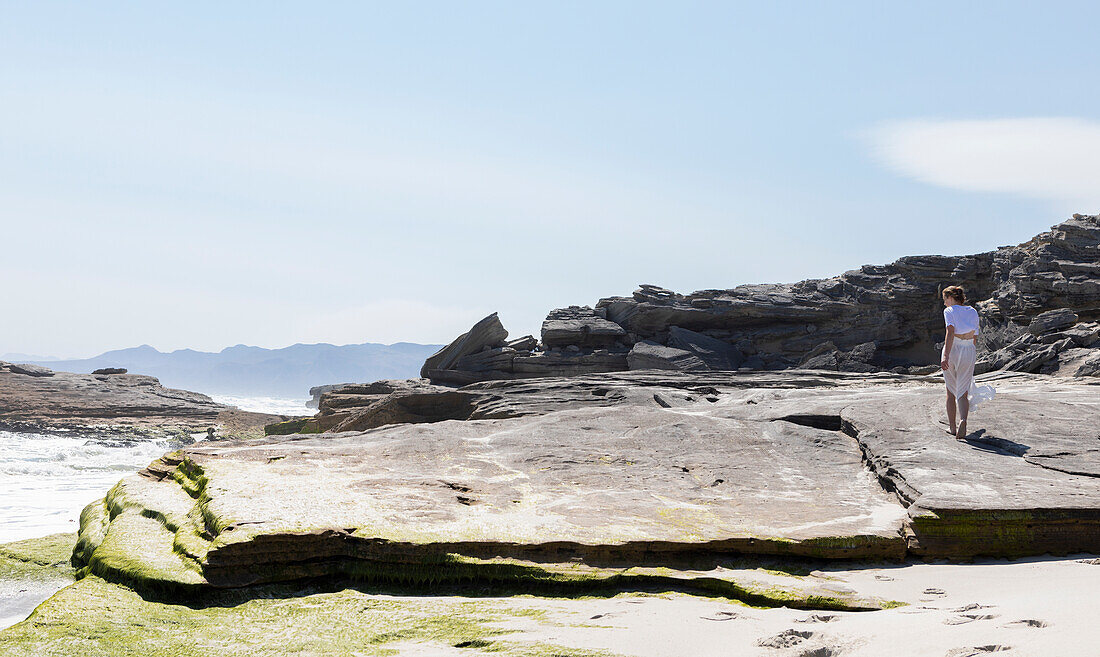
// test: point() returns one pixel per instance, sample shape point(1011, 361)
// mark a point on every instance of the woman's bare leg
point(964, 409)
point(951, 411)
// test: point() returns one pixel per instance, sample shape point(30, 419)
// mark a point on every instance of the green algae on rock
point(45, 557)
point(622, 487)
point(31, 571)
point(96, 617)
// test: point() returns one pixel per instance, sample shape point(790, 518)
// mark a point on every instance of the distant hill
point(256, 372)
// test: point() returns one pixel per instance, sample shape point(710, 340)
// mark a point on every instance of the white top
point(963, 318)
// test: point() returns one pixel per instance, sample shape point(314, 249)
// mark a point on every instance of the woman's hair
point(956, 293)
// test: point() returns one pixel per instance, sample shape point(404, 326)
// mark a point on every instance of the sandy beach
point(1032, 607)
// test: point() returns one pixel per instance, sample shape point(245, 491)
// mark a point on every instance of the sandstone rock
point(488, 359)
point(824, 356)
point(130, 403)
point(716, 354)
point(633, 469)
point(1052, 320)
point(360, 395)
point(862, 353)
point(526, 343)
point(29, 370)
point(562, 364)
point(1032, 360)
point(316, 392)
point(878, 317)
point(827, 361)
point(488, 332)
point(1090, 367)
point(648, 355)
point(110, 370)
point(580, 326)
point(1083, 335)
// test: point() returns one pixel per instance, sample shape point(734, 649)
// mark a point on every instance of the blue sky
point(209, 174)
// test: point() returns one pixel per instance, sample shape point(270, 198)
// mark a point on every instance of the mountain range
point(257, 372)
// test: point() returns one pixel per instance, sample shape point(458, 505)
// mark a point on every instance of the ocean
point(45, 480)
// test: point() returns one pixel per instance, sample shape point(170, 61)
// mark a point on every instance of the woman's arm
point(948, 340)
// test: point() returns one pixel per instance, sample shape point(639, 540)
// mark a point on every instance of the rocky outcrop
point(110, 370)
point(582, 327)
point(31, 400)
point(628, 470)
point(486, 334)
point(876, 318)
point(25, 369)
point(649, 355)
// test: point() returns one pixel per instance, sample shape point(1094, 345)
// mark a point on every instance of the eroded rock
point(626, 469)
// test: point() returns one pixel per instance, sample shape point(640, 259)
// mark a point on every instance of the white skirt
point(959, 375)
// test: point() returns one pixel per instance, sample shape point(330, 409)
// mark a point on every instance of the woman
point(959, 355)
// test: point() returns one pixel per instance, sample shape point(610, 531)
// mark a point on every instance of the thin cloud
point(1050, 158)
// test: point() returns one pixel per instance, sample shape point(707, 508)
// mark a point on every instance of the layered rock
point(879, 317)
point(37, 399)
point(567, 476)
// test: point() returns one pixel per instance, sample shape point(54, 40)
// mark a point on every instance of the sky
point(206, 174)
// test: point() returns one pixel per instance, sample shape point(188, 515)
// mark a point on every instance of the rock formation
point(1039, 303)
point(562, 477)
point(39, 400)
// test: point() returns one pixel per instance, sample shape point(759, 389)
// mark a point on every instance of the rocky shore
point(759, 450)
point(1039, 303)
point(36, 399)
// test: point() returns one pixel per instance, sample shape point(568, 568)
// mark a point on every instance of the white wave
point(273, 405)
point(45, 481)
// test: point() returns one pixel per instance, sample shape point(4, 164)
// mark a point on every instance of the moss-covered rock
point(297, 425)
point(37, 558)
point(96, 617)
point(31, 571)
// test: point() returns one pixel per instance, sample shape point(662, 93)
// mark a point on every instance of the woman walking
point(959, 354)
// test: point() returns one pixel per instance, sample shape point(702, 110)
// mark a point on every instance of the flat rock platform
point(647, 474)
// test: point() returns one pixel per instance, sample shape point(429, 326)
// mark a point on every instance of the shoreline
point(1029, 606)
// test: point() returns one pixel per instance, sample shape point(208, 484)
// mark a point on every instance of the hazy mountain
point(256, 372)
point(26, 358)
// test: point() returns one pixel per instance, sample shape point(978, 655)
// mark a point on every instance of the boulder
point(580, 326)
point(526, 343)
point(648, 355)
point(1052, 320)
point(27, 369)
point(1032, 359)
point(1091, 366)
point(488, 332)
point(824, 356)
point(1083, 335)
point(110, 370)
point(716, 354)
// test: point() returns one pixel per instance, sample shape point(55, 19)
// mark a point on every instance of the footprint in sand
point(973, 606)
point(817, 618)
point(785, 639)
point(884, 578)
point(1027, 622)
point(932, 594)
point(722, 616)
point(968, 618)
point(976, 651)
